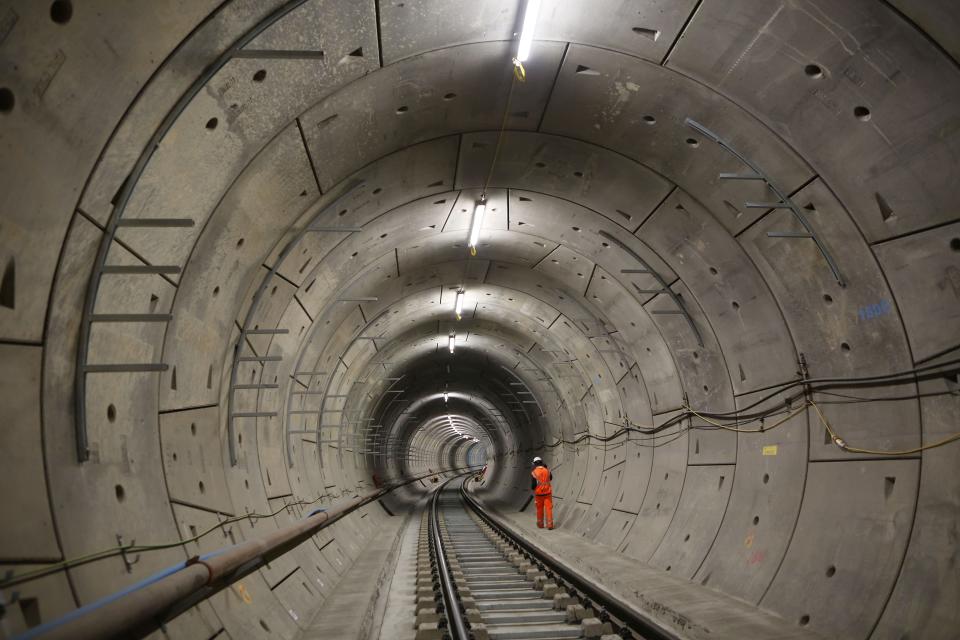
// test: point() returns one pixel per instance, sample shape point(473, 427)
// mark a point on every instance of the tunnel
point(265, 258)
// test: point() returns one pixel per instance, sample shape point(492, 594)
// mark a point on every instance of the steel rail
point(622, 613)
point(456, 624)
point(137, 611)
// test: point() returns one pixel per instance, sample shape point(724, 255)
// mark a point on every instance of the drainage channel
point(498, 592)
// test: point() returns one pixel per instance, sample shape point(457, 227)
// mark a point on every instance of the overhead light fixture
point(459, 305)
point(478, 210)
point(453, 338)
point(526, 31)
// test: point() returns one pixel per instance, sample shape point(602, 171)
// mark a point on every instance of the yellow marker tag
point(243, 593)
point(770, 450)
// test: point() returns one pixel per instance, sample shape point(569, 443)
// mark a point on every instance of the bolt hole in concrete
point(7, 100)
point(260, 75)
point(686, 537)
point(265, 627)
point(831, 570)
point(827, 298)
point(955, 244)
point(814, 71)
point(756, 519)
point(212, 124)
point(844, 346)
point(735, 304)
point(693, 142)
point(201, 487)
point(861, 113)
point(193, 428)
point(450, 96)
point(713, 271)
point(541, 165)
point(61, 11)
point(239, 243)
point(121, 494)
point(804, 620)
point(112, 413)
point(766, 478)
point(377, 190)
point(216, 291)
point(650, 120)
point(403, 109)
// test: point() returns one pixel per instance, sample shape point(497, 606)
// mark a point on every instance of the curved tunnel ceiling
point(281, 194)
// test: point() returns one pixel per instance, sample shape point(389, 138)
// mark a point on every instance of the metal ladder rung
point(131, 317)
point(155, 222)
point(767, 205)
point(137, 269)
point(130, 367)
point(740, 176)
point(789, 234)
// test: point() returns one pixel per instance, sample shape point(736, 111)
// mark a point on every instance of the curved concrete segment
point(234, 237)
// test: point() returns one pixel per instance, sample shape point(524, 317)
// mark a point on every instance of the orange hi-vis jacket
point(542, 475)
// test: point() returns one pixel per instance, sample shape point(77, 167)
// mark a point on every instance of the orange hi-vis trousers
point(544, 503)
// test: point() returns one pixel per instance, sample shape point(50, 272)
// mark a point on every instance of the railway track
point(477, 582)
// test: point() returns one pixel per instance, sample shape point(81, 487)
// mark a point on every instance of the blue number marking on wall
point(872, 311)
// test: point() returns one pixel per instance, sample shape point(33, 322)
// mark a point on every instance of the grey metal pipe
point(142, 611)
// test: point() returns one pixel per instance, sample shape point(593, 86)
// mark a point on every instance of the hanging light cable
point(458, 307)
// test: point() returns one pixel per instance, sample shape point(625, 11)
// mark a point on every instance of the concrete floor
point(355, 610)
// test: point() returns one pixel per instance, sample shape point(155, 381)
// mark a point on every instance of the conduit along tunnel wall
point(703, 257)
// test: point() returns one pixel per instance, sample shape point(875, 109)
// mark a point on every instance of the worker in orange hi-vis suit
point(542, 491)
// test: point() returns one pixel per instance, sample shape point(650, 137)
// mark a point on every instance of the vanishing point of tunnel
point(277, 277)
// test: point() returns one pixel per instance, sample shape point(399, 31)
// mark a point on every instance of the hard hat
point(537, 459)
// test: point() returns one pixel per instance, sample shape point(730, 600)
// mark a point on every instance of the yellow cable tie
point(518, 71)
point(473, 251)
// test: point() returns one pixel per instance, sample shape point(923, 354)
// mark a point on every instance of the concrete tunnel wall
point(257, 119)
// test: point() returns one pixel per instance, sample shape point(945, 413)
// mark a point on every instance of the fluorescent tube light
point(526, 32)
point(479, 209)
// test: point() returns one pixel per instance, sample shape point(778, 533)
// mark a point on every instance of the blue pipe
point(38, 631)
